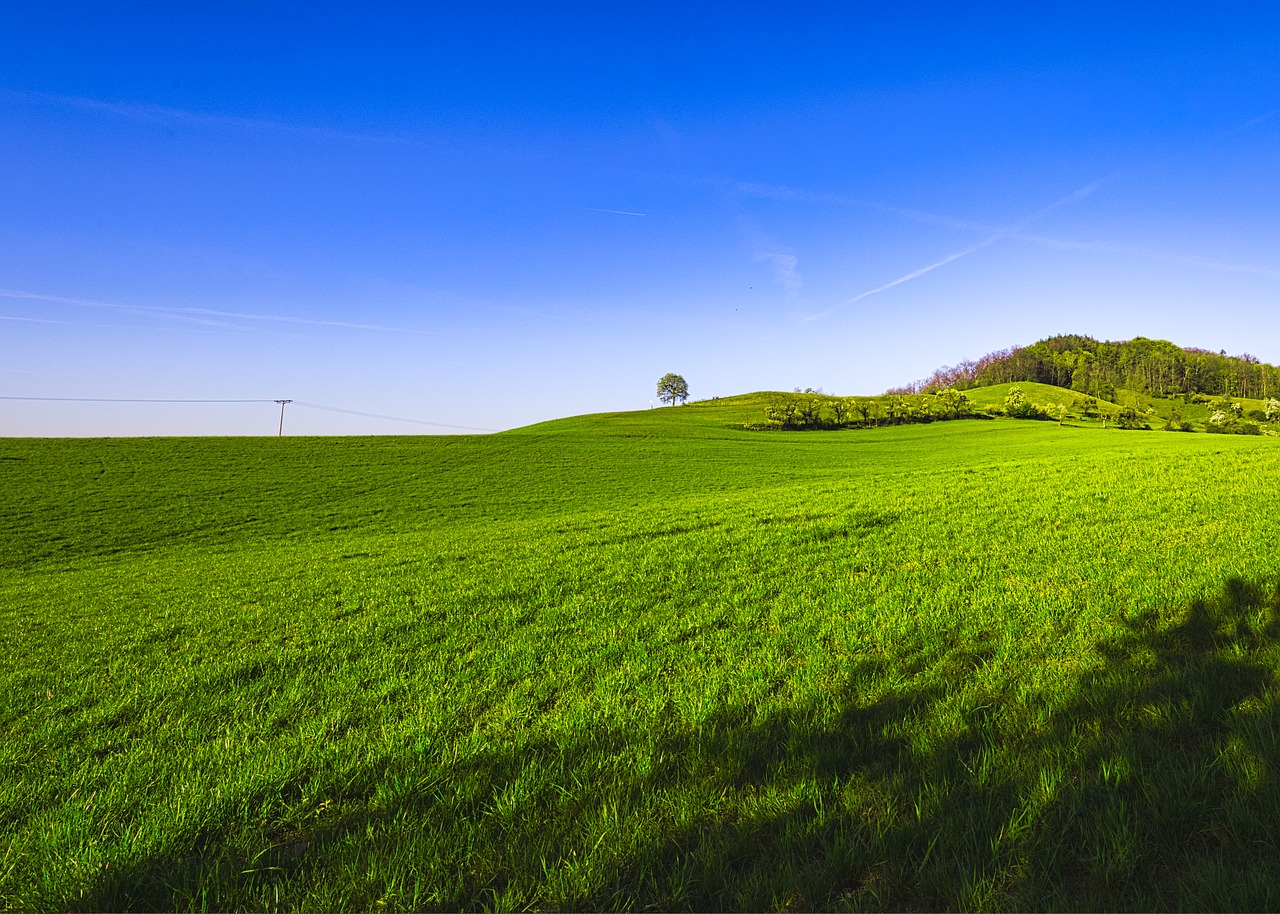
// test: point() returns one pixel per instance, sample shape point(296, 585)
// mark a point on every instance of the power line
point(331, 409)
point(122, 400)
point(352, 412)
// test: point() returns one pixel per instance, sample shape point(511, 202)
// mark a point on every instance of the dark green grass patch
point(967, 665)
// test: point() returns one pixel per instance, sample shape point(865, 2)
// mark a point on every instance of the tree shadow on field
point(1149, 786)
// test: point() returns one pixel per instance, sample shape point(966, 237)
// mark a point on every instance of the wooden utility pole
point(282, 403)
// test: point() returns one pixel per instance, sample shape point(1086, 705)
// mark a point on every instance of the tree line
point(812, 410)
point(1097, 369)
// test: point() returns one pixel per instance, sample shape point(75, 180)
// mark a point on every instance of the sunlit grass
point(642, 661)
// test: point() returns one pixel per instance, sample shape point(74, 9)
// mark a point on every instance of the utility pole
point(280, 433)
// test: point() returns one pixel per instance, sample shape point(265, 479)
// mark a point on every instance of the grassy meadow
point(642, 661)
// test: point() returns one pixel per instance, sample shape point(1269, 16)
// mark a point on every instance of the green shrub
point(1130, 418)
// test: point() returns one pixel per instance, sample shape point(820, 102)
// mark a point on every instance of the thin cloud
point(1075, 196)
point(784, 265)
point(791, 194)
point(800, 195)
point(144, 113)
point(1260, 119)
point(996, 234)
point(779, 192)
point(782, 260)
point(33, 320)
point(211, 324)
point(381, 328)
point(914, 274)
point(1111, 247)
point(197, 315)
point(212, 328)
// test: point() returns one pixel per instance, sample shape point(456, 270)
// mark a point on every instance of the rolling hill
point(642, 660)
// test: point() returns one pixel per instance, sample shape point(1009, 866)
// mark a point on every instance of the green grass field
point(643, 660)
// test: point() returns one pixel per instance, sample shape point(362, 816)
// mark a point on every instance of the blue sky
point(490, 215)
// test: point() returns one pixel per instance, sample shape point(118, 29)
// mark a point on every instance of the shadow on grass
point(1148, 786)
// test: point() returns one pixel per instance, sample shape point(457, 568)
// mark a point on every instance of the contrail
point(195, 314)
point(1013, 231)
point(1073, 197)
point(914, 274)
point(1261, 118)
point(616, 212)
point(779, 192)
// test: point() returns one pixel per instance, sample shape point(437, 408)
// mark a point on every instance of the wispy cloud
point(33, 320)
point(800, 195)
point(1075, 196)
point(213, 328)
point(783, 262)
point(914, 274)
point(143, 113)
point(994, 233)
point(1141, 250)
point(1252, 122)
point(197, 315)
point(785, 270)
point(790, 194)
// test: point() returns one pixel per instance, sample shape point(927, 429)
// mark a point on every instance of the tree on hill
point(1088, 406)
point(672, 389)
point(1017, 406)
point(954, 403)
point(1225, 415)
point(1129, 418)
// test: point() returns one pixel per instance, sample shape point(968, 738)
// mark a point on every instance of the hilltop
point(695, 418)
point(1157, 368)
point(1134, 384)
point(817, 411)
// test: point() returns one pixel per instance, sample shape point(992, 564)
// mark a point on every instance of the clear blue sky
point(489, 215)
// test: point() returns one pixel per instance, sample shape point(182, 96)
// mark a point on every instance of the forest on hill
point(1083, 364)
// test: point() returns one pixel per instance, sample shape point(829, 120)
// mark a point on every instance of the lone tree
point(672, 389)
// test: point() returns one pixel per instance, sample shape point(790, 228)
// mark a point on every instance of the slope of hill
point(646, 660)
point(994, 395)
point(690, 418)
